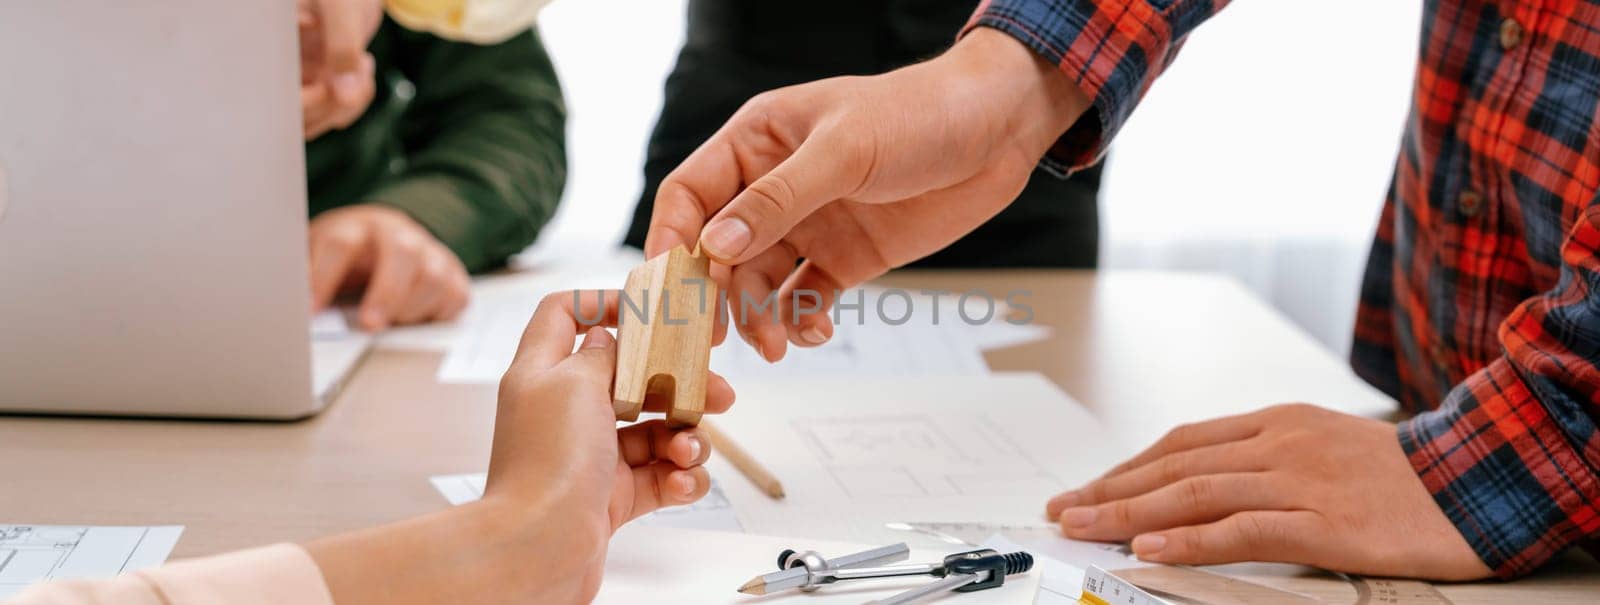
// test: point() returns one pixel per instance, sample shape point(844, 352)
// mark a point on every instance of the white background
point(1263, 153)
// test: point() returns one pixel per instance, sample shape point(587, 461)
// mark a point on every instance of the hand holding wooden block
point(664, 337)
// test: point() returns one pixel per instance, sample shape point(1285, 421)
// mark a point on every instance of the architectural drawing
point(38, 553)
point(912, 456)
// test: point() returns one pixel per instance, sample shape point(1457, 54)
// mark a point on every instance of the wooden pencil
point(742, 460)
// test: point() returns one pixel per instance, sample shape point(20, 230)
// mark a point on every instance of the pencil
point(741, 459)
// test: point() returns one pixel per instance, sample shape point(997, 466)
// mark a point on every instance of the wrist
point(1026, 99)
point(480, 551)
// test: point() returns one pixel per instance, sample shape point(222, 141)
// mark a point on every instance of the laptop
point(153, 213)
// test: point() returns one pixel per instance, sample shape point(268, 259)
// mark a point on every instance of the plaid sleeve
point(1113, 49)
point(1513, 456)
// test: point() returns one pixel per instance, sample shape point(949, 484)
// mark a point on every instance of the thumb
point(596, 358)
point(818, 172)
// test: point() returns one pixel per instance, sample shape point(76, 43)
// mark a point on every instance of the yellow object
point(476, 21)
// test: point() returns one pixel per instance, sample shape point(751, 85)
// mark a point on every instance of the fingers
point(353, 92)
point(753, 300)
point(440, 288)
point(807, 296)
point(685, 198)
point(1248, 536)
point(818, 172)
point(719, 394)
point(337, 103)
point(595, 361)
point(1186, 502)
point(335, 251)
point(393, 273)
point(315, 105)
point(547, 340)
point(654, 441)
point(1191, 436)
point(1210, 460)
point(661, 484)
point(343, 36)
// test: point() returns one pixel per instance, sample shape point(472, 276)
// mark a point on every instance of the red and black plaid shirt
point(1481, 303)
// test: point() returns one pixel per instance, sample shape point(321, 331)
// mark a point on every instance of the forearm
point(1021, 96)
point(485, 142)
point(471, 553)
point(1509, 455)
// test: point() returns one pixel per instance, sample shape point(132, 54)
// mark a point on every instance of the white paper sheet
point(711, 513)
point(330, 323)
point(663, 565)
point(854, 455)
point(40, 553)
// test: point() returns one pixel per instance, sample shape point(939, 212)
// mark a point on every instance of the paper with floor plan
point(854, 455)
point(707, 567)
point(39, 553)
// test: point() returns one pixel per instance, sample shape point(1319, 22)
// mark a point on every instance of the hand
point(409, 276)
point(337, 75)
point(556, 435)
point(562, 478)
point(1291, 483)
point(858, 175)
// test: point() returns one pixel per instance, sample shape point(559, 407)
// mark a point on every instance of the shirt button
point(1470, 203)
point(1510, 34)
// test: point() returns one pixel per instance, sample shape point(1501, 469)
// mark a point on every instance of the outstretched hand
point(562, 478)
point(1291, 483)
point(858, 175)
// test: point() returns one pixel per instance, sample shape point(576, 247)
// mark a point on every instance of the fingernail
point(686, 484)
point(726, 238)
point(695, 448)
point(373, 318)
point(1149, 544)
point(1081, 516)
point(813, 336)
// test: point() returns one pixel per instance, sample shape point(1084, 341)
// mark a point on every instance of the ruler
point(1101, 588)
point(1387, 591)
point(1163, 585)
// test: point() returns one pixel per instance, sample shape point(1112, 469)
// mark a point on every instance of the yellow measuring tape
point(1101, 588)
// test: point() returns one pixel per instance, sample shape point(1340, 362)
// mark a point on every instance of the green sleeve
point(484, 144)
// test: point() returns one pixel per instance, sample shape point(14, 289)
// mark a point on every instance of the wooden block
point(664, 337)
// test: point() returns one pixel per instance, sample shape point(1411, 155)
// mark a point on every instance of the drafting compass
point(961, 572)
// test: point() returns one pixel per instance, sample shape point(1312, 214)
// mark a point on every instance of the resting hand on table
point(562, 478)
point(1292, 483)
point(337, 79)
point(408, 276)
point(858, 175)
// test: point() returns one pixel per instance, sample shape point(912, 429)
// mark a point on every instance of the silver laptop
point(153, 212)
